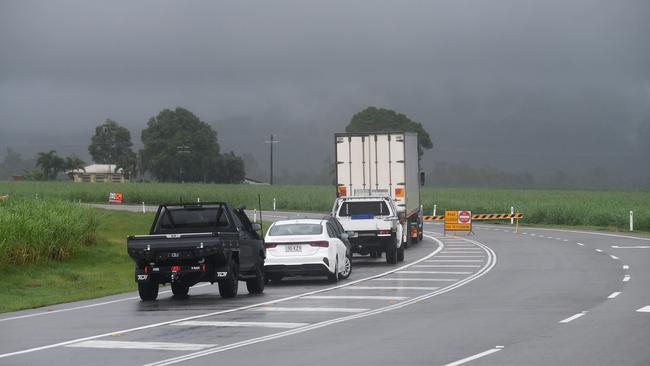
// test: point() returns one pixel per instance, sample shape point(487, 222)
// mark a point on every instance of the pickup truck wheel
point(228, 287)
point(391, 252)
point(256, 285)
point(347, 269)
point(179, 289)
point(334, 277)
point(148, 291)
point(400, 254)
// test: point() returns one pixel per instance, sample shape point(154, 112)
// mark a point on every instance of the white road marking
point(574, 317)
point(56, 311)
point(391, 288)
point(200, 323)
point(613, 295)
point(489, 265)
point(645, 309)
point(631, 247)
point(613, 257)
point(582, 245)
point(625, 266)
point(354, 297)
point(626, 278)
point(533, 234)
point(565, 240)
point(476, 356)
point(455, 260)
point(163, 346)
point(455, 256)
point(463, 252)
point(449, 265)
point(433, 272)
point(599, 250)
point(310, 309)
point(418, 279)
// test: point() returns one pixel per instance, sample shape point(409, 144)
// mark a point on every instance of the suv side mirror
point(422, 178)
point(256, 226)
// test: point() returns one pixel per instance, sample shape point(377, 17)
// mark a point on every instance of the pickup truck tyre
point(148, 291)
point(400, 254)
point(256, 285)
point(228, 287)
point(334, 277)
point(347, 269)
point(179, 289)
point(391, 252)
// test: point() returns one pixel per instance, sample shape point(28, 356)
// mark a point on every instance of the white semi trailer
point(383, 164)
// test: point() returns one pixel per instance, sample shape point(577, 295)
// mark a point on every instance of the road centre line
point(489, 265)
point(476, 356)
point(613, 295)
point(418, 279)
point(434, 272)
point(455, 261)
point(88, 306)
point(247, 307)
point(161, 346)
point(391, 288)
point(645, 309)
point(308, 309)
point(448, 265)
point(354, 297)
point(456, 256)
point(199, 323)
point(573, 317)
point(631, 247)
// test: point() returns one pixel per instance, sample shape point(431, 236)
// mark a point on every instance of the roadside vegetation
point(606, 209)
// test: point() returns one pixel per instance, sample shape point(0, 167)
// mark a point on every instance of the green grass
point(607, 209)
point(33, 230)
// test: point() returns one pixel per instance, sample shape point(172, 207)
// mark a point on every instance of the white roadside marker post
point(631, 220)
point(273, 203)
point(143, 208)
point(254, 215)
point(512, 210)
point(435, 207)
point(198, 199)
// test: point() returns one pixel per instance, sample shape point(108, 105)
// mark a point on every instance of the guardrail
point(477, 217)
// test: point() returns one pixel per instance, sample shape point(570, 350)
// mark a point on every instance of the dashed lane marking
point(201, 323)
point(354, 297)
point(599, 250)
point(574, 317)
point(391, 288)
point(309, 309)
point(582, 245)
point(456, 256)
point(448, 265)
point(418, 279)
point(626, 278)
point(455, 261)
point(161, 346)
point(631, 247)
point(433, 272)
point(476, 356)
point(613, 257)
point(613, 295)
point(645, 309)
point(625, 266)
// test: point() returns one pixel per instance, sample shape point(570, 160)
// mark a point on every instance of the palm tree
point(51, 164)
point(73, 163)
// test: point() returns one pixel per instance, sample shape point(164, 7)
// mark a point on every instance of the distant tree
point(179, 147)
point(50, 163)
point(373, 119)
point(111, 144)
point(230, 169)
point(34, 175)
point(74, 163)
point(13, 164)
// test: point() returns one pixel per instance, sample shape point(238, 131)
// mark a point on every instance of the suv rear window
point(370, 208)
point(296, 229)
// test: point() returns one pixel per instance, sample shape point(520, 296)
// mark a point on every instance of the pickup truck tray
point(181, 246)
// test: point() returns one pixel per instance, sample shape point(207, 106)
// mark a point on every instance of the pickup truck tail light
point(319, 244)
point(176, 268)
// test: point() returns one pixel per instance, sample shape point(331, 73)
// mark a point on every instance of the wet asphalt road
point(537, 297)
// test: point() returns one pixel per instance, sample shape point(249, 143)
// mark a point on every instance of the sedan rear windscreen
point(374, 208)
point(296, 229)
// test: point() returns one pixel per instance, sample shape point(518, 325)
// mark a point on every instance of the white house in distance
point(98, 173)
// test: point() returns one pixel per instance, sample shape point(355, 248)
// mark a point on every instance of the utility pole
point(271, 142)
point(182, 150)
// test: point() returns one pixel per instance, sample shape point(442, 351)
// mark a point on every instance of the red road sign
point(464, 217)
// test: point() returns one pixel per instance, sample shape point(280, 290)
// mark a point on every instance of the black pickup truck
point(206, 242)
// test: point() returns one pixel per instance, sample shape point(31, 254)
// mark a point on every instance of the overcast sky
point(538, 85)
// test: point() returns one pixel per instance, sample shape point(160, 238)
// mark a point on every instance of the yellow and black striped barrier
point(478, 217)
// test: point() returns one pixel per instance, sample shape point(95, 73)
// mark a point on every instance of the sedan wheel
point(347, 269)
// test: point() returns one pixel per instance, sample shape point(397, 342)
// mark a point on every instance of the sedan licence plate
point(294, 248)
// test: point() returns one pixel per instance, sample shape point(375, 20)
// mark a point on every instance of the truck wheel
point(391, 252)
point(228, 287)
point(347, 269)
point(400, 254)
point(148, 290)
point(179, 289)
point(256, 285)
point(334, 277)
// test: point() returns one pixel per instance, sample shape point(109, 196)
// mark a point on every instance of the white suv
point(372, 225)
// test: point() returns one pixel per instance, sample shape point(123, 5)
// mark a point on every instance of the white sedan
point(306, 247)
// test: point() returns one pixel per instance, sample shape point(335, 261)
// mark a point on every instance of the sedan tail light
point(319, 244)
point(270, 245)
